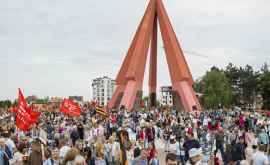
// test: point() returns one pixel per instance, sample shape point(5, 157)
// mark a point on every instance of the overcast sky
point(56, 47)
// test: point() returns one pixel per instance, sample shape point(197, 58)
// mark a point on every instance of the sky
point(57, 47)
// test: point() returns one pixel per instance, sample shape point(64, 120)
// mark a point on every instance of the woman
point(100, 155)
point(70, 156)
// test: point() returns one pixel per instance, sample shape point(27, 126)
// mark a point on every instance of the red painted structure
point(129, 80)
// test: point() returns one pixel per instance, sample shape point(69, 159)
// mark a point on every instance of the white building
point(103, 89)
point(166, 95)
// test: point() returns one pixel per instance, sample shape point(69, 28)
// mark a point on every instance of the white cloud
point(55, 47)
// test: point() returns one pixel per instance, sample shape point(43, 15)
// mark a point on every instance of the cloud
point(56, 47)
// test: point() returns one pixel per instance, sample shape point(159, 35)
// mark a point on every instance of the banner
point(70, 107)
point(102, 111)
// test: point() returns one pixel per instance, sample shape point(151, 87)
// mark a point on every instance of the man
point(74, 135)
point(259, 157)
point(10, 144)
point(238, 151)
point(220, 142)
point(142, 159)
point(35, 157)
point(4, 160)
point(171, 159)
point(195, 156)
point(190, 143)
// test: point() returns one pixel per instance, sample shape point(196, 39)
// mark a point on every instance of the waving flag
point(13, 109)
point(34, 114)
point(102, 111)
point(70, 107)
point(25, 116)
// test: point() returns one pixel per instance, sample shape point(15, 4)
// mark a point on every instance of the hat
point(194, 152)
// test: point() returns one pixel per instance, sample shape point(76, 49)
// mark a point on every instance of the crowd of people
point(157, 136)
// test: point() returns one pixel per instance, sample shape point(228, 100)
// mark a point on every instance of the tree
point(197, 86)
point(5, 104)
point(248, 85)
point(216, 89)
point(233, 75)
point(265, 86)
point(244, 82)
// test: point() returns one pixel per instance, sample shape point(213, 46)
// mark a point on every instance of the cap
point(194, 152)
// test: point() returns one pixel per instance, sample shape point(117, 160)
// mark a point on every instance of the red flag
point(13, 109)
point(70, 107)
point(25, 116)
point(34, 114)
point(21, 100)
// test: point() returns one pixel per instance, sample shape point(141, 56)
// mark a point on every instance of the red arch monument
point(129, 81)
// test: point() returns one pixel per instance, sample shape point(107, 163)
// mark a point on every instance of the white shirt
point(174, 148)
point(259, 158)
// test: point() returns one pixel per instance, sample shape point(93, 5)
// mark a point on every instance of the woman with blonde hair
point(100, 154)
point(70, 156)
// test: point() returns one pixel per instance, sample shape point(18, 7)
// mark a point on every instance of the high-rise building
point(166, 95)
point(103, 89)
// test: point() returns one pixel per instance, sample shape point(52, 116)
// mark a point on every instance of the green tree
point(5, 104)
point(216, 89)
point(233, 75)
point(265, 86)
point(248, 85)
point(197, 86)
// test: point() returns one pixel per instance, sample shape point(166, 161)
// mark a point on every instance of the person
point(63, 149)
point(174, 146)
point(35, 157)
point(220, 142)
point(171, 159)
point(48, 157)
point(142, 159)
point(263, 138)
point(152, 154)
point(190, 143)
point(18, 156)
point(70, 156)
point(79, 160)
point(238, 151)
point(259, 157)
point(100, 154)
point(74, 135)
point(10, 144)
point(195, 156)
point(4, 159)
point(115, 150)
